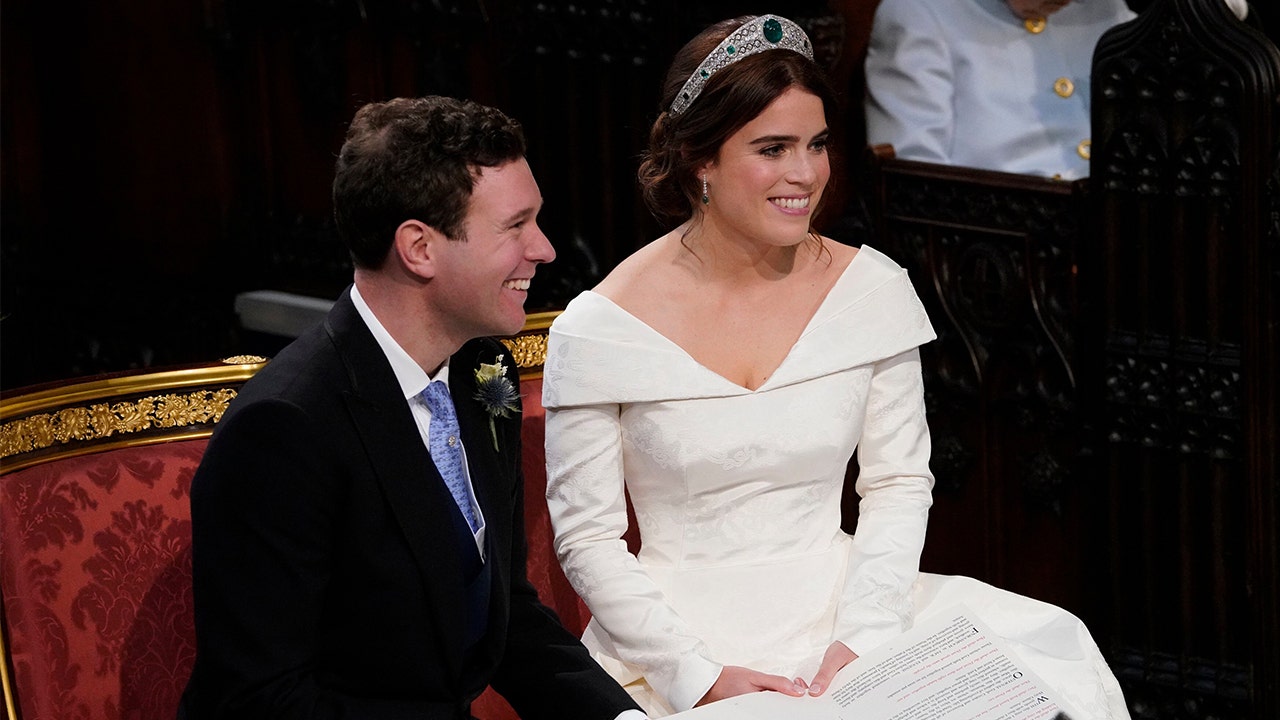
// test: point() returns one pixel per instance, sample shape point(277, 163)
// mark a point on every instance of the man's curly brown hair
point(415, 159)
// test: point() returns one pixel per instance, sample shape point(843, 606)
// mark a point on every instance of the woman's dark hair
point(732, 97)
point(415, 158)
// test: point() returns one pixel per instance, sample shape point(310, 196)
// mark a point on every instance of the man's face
point(1030, 9)
point(483, 278)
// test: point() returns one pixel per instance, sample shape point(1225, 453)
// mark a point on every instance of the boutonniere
point(496, 393)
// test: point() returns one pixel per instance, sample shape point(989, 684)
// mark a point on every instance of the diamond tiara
point(765, 32)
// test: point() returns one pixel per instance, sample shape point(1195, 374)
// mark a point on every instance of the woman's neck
point(714, 256)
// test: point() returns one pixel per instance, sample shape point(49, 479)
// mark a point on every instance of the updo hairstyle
point(681, 144)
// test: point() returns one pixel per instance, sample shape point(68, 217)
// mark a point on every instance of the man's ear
point(415, 247)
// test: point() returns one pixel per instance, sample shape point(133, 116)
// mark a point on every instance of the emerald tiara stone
point(764, 32)
point(772, 30)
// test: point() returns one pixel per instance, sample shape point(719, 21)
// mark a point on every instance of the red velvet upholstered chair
point(95, 535)
point(95, 539)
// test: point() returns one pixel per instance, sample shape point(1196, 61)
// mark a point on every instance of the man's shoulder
point(309, 373)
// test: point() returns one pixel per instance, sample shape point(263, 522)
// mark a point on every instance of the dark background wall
point(157, 157)
point(160, 157)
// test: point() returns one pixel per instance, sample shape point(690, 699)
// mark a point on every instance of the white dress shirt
point(413, 380)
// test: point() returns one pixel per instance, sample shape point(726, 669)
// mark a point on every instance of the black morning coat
point(331, 566)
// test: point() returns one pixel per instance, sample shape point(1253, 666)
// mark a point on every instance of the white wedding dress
point(737, 497)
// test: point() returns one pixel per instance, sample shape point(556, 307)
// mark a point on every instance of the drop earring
point(706, 199)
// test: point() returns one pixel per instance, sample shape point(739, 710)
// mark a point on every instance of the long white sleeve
point(895, 487)
point(586, 499)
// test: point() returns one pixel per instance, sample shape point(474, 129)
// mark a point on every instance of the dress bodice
point(737, 494)
point(710, 478)
point(737, 491)
point(711, 466)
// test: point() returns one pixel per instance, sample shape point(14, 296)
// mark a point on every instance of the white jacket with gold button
point(967, 82)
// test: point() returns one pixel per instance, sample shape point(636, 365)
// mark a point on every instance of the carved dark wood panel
point(1184, 378)
point(993, 257)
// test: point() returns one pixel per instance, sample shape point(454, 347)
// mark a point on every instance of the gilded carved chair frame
point(67, 419)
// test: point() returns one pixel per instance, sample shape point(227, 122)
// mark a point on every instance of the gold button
point(453, 440)
point(1034, 25)
point(1064, 87)
point(1084, 149)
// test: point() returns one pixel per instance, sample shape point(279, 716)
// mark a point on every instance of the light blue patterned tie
point(446, 447)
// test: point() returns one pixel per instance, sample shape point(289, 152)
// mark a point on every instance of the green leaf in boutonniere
point(496, 393)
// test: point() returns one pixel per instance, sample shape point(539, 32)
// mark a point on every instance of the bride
point(723, 376)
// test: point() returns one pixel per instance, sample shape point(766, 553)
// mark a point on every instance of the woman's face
point(768, 177)
point(1031, 9)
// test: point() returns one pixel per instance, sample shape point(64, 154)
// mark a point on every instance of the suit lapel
point(485, 463)
point(493, 472)
point(415, 492)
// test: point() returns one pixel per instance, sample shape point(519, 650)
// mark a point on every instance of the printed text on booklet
point(952, 667)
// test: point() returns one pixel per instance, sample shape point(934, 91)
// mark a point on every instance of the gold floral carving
point(529, 351)
point(103, 420)
point(244, 359)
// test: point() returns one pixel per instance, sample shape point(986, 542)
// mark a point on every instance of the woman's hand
point(736, 680)
point(837, 656)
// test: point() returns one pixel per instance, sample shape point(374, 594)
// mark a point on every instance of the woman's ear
point(415, 247)
point(707, 171)
point(706, 179)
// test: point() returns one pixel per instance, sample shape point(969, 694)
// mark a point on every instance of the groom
point(358, 543)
